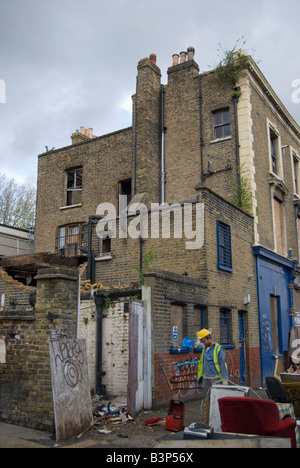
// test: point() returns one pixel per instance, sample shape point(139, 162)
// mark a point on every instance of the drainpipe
point(135, 135)
point(201, 129)
point(91, 255)
point(163, 174)
point(237, 142)
point(99, 301)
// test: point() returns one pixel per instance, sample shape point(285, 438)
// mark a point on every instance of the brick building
point(196, 140)
point(15, 241)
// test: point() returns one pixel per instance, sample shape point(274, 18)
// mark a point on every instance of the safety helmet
point(203, 333)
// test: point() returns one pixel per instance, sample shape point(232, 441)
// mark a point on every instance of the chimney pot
point(182, 57)
point(175, 59)
point(153, 58)
point(191, 53)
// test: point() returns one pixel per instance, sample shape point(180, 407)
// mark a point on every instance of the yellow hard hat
point(203, 333)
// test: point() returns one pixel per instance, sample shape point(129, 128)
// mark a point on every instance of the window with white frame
point(296, 172)
point(73, 186)
point(275, 151)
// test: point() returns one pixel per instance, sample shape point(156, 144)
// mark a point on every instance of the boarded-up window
point(176, 324)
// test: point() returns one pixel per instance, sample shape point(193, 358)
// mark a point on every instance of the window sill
point(217, 140)
point(223, 268)
point(70, 206)
point(228, 346)
point(273, 176)
point(180, 350)
point(103, 257)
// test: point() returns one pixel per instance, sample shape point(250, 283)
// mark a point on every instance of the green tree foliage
point(17, 203)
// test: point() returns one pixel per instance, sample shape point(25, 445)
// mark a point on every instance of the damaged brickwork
point(25, 331)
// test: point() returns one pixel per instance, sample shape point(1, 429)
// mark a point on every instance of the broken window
point(69, 239)
point(221, 122)
point(124, 190)
point(105, 247)
point(74, 186)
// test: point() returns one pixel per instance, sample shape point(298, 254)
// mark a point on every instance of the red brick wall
point(181, 371)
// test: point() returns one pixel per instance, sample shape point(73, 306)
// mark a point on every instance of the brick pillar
point(56, 301)
point(25, 378)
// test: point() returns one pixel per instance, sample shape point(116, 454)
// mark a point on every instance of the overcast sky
point(68, 63)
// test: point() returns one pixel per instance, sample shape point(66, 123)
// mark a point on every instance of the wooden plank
point(70, 387)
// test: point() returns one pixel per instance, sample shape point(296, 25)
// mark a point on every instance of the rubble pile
point(114, 418)
point(86, 287)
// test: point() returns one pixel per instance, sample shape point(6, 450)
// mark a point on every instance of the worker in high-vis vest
point(212, 367)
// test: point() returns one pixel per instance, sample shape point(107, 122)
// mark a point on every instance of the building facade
point(196, 141)
point(15, 241)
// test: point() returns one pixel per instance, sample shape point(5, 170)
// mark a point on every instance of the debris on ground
point(107, 416)
point(111, 419)
point(154, 421)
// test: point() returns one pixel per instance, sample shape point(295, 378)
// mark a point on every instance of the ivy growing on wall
point(242, 193)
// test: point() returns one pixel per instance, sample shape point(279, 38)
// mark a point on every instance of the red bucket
point(175, 418)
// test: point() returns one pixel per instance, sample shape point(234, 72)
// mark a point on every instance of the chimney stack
point(81, 135)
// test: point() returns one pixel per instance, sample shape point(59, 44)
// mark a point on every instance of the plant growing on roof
point(233, 64)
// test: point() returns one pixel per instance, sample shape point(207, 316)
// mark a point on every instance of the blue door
point(274, 274)
point(242, 346)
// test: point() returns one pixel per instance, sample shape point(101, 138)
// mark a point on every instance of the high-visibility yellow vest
point(216, 361)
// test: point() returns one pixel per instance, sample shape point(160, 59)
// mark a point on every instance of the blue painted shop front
point(275, 301)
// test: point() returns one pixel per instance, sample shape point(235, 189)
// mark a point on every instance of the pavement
point(132, 434)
